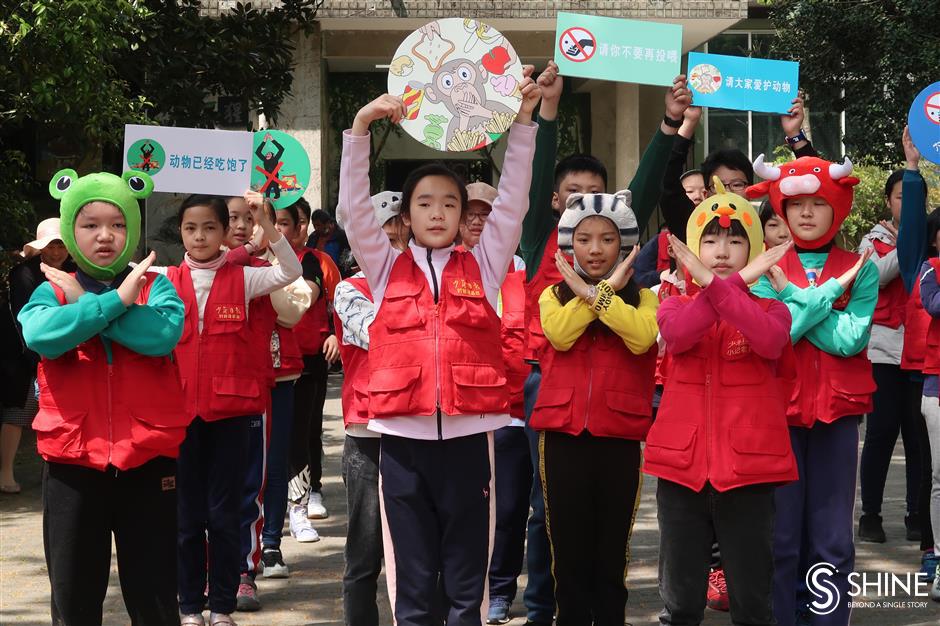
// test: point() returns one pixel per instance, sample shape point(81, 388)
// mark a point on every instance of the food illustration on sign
point(705, 78)
point(458, 96)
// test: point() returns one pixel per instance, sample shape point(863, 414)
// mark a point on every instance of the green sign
point(146, 155)
point(280, 167)
point(609, 48)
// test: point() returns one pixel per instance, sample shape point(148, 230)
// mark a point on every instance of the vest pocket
point(59, 433)
point(552, 408)
point(628, 404)
point(399, 306)
point(671, 444)
point(233, 396)
point(746, 371)
point(760, 450)
point(851, 393)
point(391, 390)
point(158, 431)
point(480, 388)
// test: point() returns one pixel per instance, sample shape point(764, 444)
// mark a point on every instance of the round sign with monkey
point(459, 79)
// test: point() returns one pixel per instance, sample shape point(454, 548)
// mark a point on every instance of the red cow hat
point(807, 176)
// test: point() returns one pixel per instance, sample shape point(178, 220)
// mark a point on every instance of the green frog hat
point(74, 192)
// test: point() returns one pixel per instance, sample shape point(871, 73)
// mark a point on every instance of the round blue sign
point(923, 120)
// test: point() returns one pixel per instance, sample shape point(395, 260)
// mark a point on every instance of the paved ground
point(313, 594)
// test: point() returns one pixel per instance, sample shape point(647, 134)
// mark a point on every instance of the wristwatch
point(797, 138)
point(668, 121)
point(591, 295)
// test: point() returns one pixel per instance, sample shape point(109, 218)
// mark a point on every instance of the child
point(602, 329)
point(355, 312)
point(111, 414)
point(437, 381)
point(218, 359)
point(719, 444)
point(319, 348)
point(896, 401)
point(831, 295)
point(776, 232)
point(265, 496)
point(551, 186)
point(513, 466)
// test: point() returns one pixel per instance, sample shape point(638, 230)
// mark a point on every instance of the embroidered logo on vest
point(737, 347)
point(229, 312)
point(467, 288)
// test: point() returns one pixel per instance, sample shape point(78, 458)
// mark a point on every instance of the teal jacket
point(52, 329)
point(840, 333)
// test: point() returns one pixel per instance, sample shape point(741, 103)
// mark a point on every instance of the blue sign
point(742, 83)
point(923, 121)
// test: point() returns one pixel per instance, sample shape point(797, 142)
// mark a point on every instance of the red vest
point(828, 387)
point(355, 393)
point(215, 365)
point(597, 385)
point(547, 274)
point(426, 356)
point(662, 250)
point(314, 327)
point(261, 321)
point(892, 298)
point(512, 331)
point(722, 418)
point(932, 353)
point(292, 359)
point(97, 414)
point(916, 324)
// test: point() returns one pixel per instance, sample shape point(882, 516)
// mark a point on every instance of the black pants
point(926, 471)
point(305, 458)
point(591, 486)
point(743, 521)
point(363, 550)
point(513, 486)
point(896, 410)
point(212, 465)
point(82, 507)
point(436, 500)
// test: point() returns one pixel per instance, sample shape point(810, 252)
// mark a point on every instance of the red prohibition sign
point(577, 44)
point(932, 107)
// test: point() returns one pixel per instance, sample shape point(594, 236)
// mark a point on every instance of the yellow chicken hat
point(725, 207)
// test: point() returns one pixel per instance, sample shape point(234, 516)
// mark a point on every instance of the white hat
point(615, 207)
point(46, 233)
point(385, 204)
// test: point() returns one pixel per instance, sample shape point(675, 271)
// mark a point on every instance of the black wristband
point(797, 138)
point(671, 123)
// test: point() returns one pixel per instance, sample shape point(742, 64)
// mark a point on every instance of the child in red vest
point(320, 350)
point(264, 502)
point(111, 414)
point(594, 405)
point(354, 313)
point(719, 445)
point(831, 294)
point(219, 361)
point(437, 383)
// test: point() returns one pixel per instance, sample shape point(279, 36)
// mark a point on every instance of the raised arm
point(912, 232)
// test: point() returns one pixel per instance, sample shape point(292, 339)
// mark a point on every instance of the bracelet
point(591, 295)
point(671, 123)
point(797, 138)
point(605, 295)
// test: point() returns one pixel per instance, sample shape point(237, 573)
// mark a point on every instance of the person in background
point(776, 231)
point(327, 236)
point(19, 363)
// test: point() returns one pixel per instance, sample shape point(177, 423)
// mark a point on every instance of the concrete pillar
point(627, 135)
point(302, 113)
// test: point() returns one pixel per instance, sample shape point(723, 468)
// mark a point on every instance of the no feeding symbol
point(577, 44)
point(932, 108)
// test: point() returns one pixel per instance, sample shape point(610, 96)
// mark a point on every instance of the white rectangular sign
point(190, 160)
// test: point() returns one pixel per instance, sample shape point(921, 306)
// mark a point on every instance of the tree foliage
point(869, 58)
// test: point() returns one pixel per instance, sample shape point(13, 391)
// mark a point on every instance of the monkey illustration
point(272, 165)
point(459, 86)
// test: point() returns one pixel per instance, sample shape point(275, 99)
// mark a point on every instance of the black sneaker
point(273, 564)
point(912, 527)
point(870, 529)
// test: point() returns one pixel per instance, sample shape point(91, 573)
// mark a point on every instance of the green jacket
point(52, 329)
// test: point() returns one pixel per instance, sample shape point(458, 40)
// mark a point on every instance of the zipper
point(110, 423)
point(437, 346)
point(587, 410)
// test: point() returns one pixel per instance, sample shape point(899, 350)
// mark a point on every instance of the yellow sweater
point(635, 325)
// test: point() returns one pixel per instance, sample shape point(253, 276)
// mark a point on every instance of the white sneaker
point(300, 528)
point(315, 508)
